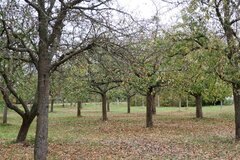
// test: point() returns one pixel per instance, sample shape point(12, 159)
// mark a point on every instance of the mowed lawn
point(176, 134)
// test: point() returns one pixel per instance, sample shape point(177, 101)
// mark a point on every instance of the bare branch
point(8, 103)
point(11, 89)
point(69, 55)
point(35, 6)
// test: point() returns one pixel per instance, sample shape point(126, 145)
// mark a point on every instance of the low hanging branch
point(11, 89)
point(8, 101)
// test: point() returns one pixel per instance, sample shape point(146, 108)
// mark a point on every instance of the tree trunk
point(52, 103)
point(236, 98)
point(117, 101)
point(63, 102)
point(79, 107)
point(158, 101)
point(149, 99)
point(104, 107)
point(128, 104)
point(179, 104)
point(44, 63)
point(135, 100)
point(41, 142)
point(5, 114)
point(153, 105)
point(22, 134)
point(108, 106)
point(199, 113)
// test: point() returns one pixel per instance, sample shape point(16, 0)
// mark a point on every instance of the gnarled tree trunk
point(198, 100)
point(236, 97)
point(104, 107)
point(26, 123)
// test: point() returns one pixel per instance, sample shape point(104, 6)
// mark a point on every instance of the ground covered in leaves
point(176, 135)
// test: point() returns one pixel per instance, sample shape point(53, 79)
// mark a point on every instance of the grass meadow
point(176, 134)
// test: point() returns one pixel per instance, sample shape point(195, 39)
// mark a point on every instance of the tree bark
point(41, 142)
point(44, 62)
point(22, 134)
point(128, 104)
point(104, 107)
point(5, 114)
point(198, 99)
point(79, 107)
point(52, 103)
point(236, 98)
point(149, 99)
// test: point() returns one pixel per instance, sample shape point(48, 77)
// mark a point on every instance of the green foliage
point(102, 72)
point(116, 94)
point(149, 64)
point(74, 87)
point(200, 50)
point(138, 100)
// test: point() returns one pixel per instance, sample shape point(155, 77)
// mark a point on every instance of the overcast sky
point(147, 9)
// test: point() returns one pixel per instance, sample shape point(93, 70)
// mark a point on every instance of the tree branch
point(10, 88)
point(9, 103)
point(69, 55)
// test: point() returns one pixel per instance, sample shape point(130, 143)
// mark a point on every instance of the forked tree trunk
point(236, 97)
point(79, 108)
point(198, 99)
point(5, 114)
point(22, 134)
point(128, 104)
point(149, 99)
point(104, 107)
point(27, 117)
point(52, 103)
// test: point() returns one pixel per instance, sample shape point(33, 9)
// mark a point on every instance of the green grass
point(176, 134)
